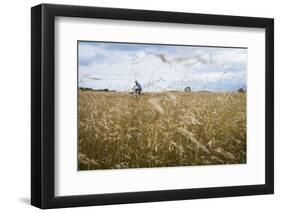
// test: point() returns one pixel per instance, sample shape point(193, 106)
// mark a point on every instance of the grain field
point(118, 131)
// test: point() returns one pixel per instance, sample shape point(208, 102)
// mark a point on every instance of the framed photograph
point(139, 106)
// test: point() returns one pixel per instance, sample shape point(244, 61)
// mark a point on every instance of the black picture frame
point(43, 105)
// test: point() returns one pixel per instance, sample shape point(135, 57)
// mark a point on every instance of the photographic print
point(160, 105)
point(155, 100)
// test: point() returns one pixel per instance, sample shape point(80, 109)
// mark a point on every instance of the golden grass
point(117, 130)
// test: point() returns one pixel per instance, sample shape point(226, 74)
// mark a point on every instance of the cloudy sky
point(116, 66)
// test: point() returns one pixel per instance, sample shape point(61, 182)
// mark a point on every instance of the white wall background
point(15, 105)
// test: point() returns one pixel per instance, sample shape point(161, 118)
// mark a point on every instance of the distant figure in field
point(187, 89)
point(137, 88)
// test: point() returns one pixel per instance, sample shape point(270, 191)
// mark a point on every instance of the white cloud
point(160, 67)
